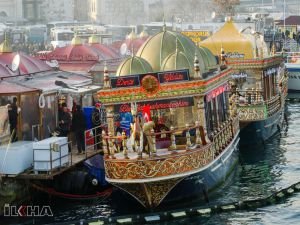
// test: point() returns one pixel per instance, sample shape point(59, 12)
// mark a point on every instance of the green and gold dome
point(175, 61)
point(161, 46)
point(134, 65)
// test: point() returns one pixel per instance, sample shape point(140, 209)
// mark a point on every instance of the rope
point(52, 191)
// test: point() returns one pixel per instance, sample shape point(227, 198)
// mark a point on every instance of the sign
point(236, 55)
point(197, 35)
point(27, 210)
point(240, 75)
point(214, 93)
point(128, 81)
point(162, 77)
point(270, 71)
point(159, 104)
point(174, 76)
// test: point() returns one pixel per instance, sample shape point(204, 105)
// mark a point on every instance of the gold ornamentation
point(159, 166)
point(150, 194)
point(150, 84)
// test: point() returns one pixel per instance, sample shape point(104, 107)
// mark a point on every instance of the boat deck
point(74, 159)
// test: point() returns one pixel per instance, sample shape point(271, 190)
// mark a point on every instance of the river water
point(261, 171)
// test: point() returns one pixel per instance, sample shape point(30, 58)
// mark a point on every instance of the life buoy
point(42, 101)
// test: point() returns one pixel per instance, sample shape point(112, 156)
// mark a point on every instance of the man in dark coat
point(13, 119)
point(78, 126)
point(64, 122)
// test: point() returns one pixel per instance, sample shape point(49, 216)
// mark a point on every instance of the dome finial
point(196, 64)
point(176, 45)
point(164, 24)
point(106, 76)
point(5, 47)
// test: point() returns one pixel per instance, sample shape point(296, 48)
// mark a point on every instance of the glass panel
point(29, 114)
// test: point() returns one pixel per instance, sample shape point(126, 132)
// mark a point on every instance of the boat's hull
point(187, 186)
point(294, 78)
point(206, 180)
point(257, 132)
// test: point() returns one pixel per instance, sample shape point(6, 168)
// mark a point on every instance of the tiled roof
point(291, 20)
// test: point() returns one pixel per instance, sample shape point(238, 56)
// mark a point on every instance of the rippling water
point(261, 171)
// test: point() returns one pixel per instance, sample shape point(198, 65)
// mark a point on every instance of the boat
point(293, 67)
point(259, 81)
point(184, 132)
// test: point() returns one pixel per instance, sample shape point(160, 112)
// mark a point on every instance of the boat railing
point(176, 159)
point(109, 143)
point(273, 105)
point(222, 136)
point(93, 138)
point(249, 97)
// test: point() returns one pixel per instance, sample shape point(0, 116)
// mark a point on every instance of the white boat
point(293, 66)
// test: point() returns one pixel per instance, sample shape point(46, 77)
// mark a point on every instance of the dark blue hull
point(257, 132)
point(208, 178)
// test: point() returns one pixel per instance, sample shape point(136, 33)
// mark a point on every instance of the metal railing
point(94, 136)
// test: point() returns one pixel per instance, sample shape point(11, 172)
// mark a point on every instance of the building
point(11, 11)
point(291, 25)
point(117, 12)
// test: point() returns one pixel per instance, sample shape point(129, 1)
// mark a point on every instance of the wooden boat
point(191, 141)
point(259, 80)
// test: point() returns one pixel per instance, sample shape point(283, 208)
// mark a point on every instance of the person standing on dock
point(78, 126)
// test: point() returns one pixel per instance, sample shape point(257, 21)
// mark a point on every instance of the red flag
point(147, 113)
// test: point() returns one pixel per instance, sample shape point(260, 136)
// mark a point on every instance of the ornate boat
point(259, 80)
point(184, 135)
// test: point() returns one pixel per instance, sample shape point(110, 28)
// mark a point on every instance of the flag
point(147, 113)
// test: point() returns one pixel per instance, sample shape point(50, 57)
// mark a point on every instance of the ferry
point(293, 67)
point(259, 81)
point(184, 131)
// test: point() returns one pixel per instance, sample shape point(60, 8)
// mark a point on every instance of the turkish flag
point(147, 113)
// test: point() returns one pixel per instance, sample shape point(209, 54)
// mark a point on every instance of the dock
point(74, 160)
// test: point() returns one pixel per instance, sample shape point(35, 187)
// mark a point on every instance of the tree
point(225, 7)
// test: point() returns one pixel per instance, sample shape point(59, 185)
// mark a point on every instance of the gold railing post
point(153, 137)
point(124, 144)
point(104, 144)
point(188, 137)
point(198, 137)
point(173, 139)
point(111, 146)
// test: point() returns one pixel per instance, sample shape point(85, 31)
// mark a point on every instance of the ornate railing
point(251, 106)
point(176, 162)
point(273, 105)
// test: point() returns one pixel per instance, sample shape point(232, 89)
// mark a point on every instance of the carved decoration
point(150, 194)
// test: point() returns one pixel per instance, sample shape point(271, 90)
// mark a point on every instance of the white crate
point(16, 158)
point(43, 157)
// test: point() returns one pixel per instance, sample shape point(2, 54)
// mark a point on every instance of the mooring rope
point(204, 211)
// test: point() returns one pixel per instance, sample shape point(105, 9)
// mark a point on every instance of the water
point(261, 171)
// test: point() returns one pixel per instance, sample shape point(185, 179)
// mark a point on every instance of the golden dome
point(76, 40)
point(160, 46)
point(5, 46)
point(175, 61)
point(132, 35)
point(231, 40)
point(133, 65)
point(143, 34)
point(93, 39)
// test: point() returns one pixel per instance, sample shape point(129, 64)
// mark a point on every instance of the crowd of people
point(76, 122)
point(31, 48)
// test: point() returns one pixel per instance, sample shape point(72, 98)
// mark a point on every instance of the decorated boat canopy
point(237, 44)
